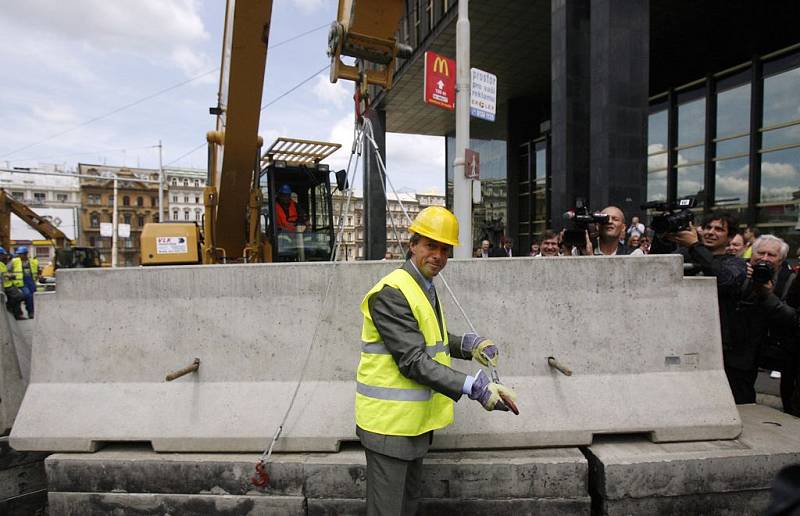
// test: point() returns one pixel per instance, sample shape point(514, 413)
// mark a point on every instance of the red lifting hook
point(261, 478)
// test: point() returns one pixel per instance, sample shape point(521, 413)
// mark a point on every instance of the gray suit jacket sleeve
point(454, 343)
point(401, 335)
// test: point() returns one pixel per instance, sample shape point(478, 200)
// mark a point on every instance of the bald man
point(608, 242)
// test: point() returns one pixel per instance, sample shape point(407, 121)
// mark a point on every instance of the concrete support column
point(374, 196)
point(569, 48)
point(620, 50)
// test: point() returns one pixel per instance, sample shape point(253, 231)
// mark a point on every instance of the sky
point(84, 81)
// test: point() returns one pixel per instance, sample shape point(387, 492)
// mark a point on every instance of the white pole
point(114, 217)
point(462, 194)
point(160, 185)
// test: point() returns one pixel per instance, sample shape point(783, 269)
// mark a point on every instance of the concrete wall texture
point(640, 338)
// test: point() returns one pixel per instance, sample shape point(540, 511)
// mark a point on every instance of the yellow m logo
point(440, 66)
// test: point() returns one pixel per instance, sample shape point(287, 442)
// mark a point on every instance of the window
point(140, 202)
point(197, 200)
point(186, 199)
point(94, 219)
point(19, 196)
point(91, 241)
point(155, 217)
point(185, 182)
point(198, 215)
point(127, 218)
point(93, 198)
point(126, 201)
point(196, 182)
point(39, 197)
point(154, 202)
point(657, 150)
point(175, 198)
point(174, 181)
point(185, 214)
point(140, 220)
point(62, 197)
point(780, 145)
point(691, 147)
point(732, 160)
point(174, 214)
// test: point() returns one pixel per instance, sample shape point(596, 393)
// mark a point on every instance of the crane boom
point(235, 145)
point(9, 205)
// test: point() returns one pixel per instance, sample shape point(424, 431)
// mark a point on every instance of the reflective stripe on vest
point(16, 268)
point(386, 401)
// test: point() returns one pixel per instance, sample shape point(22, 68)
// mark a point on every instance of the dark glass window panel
point(524, 207)
point(782, 97)
point(540, 204)
point(733, 147)
point(787, 214)
point(692, 154)
point(657, 132)
point(657, 186)
point(733, 111)
point(732, 180)
point(524, 166)
point(780, 175)
point(541, 162)
point(692, 122)
point(777, 137)
point(690, 180)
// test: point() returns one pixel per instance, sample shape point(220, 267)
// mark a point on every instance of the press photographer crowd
point(758, 290)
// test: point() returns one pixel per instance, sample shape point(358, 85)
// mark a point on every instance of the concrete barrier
point(643, 343)
point(14, 367)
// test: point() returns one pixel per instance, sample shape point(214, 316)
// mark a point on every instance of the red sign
point(472, 167)
point(440, 81)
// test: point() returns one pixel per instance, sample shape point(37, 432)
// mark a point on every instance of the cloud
point(309, 6)
point(779, 170)
point(329, 93)
point(161, 30)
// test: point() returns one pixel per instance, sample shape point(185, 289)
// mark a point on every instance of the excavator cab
point(297, 214)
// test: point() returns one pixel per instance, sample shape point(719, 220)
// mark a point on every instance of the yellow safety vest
point(386, 401)
point(16, 268)
point(6, 280)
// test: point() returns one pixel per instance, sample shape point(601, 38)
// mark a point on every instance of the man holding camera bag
point(764, 292)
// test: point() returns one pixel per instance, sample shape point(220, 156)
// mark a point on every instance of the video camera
point(581, 219)
point(675, 216)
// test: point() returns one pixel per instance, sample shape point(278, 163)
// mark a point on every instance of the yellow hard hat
point(436, 223)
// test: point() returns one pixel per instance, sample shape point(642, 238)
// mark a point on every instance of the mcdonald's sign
point(440, 81)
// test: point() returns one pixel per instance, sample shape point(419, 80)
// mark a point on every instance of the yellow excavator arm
point(9, 205)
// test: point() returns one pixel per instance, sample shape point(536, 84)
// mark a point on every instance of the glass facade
point(533, 196)
point(737, 134)
point(490, 216)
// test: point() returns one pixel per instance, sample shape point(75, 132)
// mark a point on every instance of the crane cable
point(369, 135)
point(261, 477)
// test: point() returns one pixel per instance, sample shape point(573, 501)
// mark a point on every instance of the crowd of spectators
point(758, 291)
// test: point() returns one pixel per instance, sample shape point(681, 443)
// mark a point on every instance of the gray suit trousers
point(393, 485)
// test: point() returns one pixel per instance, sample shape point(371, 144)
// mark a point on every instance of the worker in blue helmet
point(287, 216)
point(25, 275)
point(13, 294)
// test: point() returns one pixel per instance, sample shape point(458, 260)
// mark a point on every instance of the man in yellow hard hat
point(405, 387)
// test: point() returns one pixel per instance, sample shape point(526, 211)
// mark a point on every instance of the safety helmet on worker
point(285, 189)
point(22, 250)
point(436, 223)
point(3, 250)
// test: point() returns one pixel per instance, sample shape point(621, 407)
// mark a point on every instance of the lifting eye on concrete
point(555, 364)
point(194, 366)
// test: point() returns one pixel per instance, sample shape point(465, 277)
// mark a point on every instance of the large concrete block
point(634, 476)
point(553, 481)
point(107, 338)
point(14, 367)
point(138, 504)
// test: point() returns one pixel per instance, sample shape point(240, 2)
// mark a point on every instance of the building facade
point(352, 220)
point(137, 205)
point(52, 194)
point(617, 103)
point(185, 187)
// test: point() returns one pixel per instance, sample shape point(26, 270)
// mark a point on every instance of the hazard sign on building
point(440, 81)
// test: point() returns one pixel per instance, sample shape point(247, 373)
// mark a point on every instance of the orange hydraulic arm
point(9, 205)
point(234, 147)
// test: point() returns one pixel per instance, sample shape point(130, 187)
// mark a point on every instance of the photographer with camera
point(611, 230)
point(738, 352)
point(773, 323)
